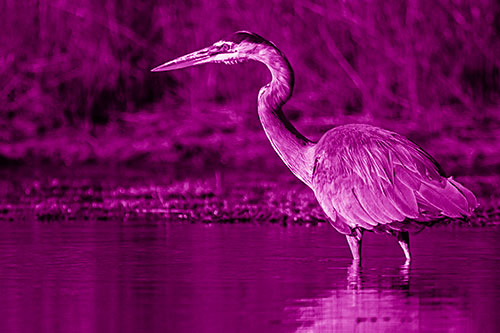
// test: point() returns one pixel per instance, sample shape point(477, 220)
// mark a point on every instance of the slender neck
point(292, 147)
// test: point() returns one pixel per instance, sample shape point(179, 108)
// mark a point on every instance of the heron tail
point(452, 200)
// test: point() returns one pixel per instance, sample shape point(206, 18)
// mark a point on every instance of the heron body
point(364, 177)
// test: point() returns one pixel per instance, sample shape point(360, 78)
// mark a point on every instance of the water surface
point(120, 276)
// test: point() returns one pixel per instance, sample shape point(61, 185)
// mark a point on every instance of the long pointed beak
point(191, 59)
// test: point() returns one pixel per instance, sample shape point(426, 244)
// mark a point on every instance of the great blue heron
point(364, 177)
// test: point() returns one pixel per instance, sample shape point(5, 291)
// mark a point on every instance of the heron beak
point(191, 59)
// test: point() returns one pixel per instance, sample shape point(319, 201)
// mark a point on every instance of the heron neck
point(293, 148)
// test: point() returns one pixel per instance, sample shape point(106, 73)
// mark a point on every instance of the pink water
point(132, 277)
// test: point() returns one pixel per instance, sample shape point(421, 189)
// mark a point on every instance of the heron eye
point(224, 47)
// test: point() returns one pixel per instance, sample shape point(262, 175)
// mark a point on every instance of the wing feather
point(372, 177)
point(403, 198)
point(385, 204)
point(347, 203)
point(445, 199)
point(470, 197)
point(372, 206)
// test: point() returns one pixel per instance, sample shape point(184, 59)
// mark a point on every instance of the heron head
point(239, 47)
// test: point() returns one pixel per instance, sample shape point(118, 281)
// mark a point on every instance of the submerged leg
point(404, 241)
point(354, 242)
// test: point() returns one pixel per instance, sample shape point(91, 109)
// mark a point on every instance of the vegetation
point(75, 86)
point(136, 197)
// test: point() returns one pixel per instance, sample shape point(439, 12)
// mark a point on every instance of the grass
point(228, 197)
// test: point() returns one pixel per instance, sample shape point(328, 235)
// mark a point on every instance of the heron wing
point(369, 176)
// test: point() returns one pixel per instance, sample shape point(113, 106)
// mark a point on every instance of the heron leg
point(404, 241)
point(354, 242)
